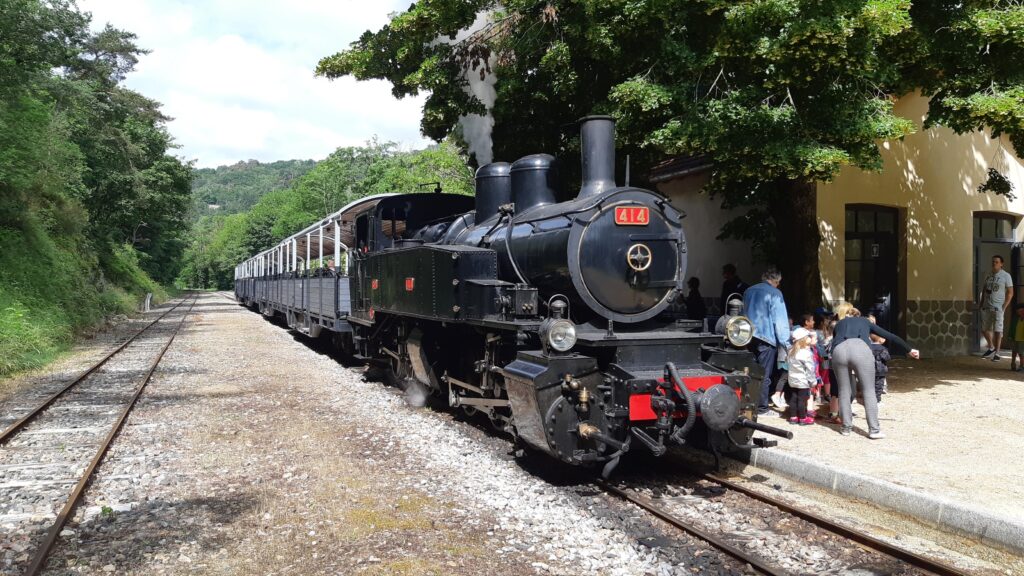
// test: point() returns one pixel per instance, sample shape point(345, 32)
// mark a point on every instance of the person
point(996, 295)
point(802, 375)
point(696, 309)
point(1018, 340)
point(731, 285)
point(851, 352)
point(764, 306)
point(882, 358)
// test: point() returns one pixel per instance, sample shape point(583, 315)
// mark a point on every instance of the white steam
point(476, 128)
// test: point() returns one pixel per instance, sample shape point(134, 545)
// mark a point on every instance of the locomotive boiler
point(551, 318)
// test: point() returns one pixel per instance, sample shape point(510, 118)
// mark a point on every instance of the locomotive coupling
point(748, 423)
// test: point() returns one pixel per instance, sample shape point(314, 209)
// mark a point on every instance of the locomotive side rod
point(757, 563)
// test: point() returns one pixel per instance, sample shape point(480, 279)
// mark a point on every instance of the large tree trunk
point(794, 210)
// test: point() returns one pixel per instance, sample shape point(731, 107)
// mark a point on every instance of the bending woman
point(851, 353)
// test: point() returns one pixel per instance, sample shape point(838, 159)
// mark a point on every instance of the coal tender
point(550, 318)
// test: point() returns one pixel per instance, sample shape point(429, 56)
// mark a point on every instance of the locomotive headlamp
point(561, 335)
point(739, 331)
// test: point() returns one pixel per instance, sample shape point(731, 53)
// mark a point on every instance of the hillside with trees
point(93, 203)
point(221, 241)
point(236, 188)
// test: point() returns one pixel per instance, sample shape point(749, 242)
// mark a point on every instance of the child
point(1018, 340)
point(802, 375)
point(882, 357)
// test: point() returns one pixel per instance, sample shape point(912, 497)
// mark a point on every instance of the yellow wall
point(934, 175)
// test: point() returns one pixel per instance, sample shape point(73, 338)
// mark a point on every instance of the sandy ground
point(954, 426)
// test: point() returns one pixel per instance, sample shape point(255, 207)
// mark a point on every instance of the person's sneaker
point(846, 431)
point(996, 357)
point(779, 401)
point(763, 411)
point(876, 435)
point(807, 421)
point(794, 420)
point(1020, 369)
point(987, 353)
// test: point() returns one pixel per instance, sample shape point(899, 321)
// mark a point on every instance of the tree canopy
point(93, 203)
point(779, 93)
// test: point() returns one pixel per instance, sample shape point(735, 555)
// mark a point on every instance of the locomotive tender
point(551, 318)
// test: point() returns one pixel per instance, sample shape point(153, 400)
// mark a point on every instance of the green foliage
point(219, 242)
point(238, 187)
point(779, 93)
point(997, 183)
point(92, 206)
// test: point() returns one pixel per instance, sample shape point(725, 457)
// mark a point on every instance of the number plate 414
point(632, 215)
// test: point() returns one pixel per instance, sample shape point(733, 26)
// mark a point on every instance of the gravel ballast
point(252, 452)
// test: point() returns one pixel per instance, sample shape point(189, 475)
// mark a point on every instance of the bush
point(53, 288)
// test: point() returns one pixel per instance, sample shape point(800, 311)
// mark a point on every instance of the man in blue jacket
point(764, 305)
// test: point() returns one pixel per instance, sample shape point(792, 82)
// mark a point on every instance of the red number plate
point(632, 215)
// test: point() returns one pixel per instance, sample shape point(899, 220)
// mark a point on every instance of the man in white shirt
point(996, 295)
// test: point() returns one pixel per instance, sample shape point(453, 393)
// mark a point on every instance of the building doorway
point(872, 262)
point(994, 235)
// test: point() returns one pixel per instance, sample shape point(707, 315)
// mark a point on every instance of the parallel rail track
point(759, 563)
point(42, 552)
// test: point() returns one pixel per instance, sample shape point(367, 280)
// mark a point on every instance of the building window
point(993, 226)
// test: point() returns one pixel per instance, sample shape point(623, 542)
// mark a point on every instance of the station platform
point(953, 456)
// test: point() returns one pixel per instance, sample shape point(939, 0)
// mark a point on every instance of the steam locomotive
point(550, 318)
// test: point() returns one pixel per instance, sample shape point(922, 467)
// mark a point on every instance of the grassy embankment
point(55, 288)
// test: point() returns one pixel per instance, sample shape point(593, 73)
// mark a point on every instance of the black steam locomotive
point(551, 318)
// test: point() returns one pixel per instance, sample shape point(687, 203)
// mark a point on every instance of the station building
point(912, 243)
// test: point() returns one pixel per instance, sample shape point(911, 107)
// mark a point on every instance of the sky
point(237, 78)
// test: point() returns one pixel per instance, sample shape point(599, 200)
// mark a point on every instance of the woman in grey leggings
point(851, 354)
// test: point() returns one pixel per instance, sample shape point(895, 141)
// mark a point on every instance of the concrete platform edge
point(934, 510)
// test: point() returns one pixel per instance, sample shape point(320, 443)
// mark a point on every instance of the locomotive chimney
point(533, 181)
point(597, 152)
point(493, 188)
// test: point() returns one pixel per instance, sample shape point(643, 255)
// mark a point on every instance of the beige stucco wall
point(703, 223)
point(934, 175)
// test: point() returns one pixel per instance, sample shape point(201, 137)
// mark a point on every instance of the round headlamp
point(561, 335)
point(739, 331)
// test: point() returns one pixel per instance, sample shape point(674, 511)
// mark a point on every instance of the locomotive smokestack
point(597, 152)
point(493, 188)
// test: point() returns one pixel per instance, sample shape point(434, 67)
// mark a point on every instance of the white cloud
point(237, 76)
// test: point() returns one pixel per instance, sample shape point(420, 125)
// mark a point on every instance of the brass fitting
point(588, 430)
point(584, 396)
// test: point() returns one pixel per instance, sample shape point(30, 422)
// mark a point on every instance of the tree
point(780, 93)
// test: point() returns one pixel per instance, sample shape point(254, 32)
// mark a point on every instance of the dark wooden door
point(872, 262)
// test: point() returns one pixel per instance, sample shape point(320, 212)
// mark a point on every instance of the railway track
point(60, 440)
point(722, 541)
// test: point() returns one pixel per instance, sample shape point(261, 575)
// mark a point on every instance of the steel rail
point(756, 562)
point(21, 422)
point(864, 539)
point(43, 552)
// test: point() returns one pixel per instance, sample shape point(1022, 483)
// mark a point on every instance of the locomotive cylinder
point(493, 188)
point(597, 154)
